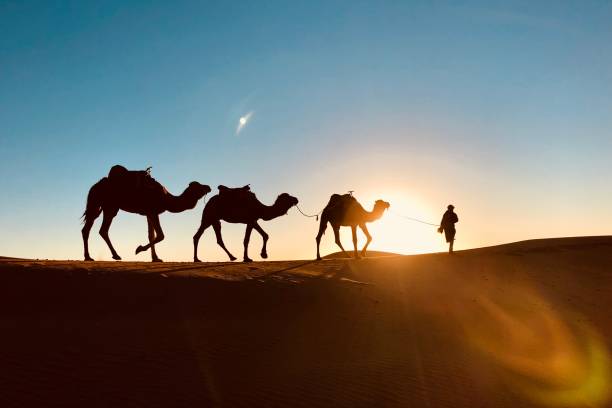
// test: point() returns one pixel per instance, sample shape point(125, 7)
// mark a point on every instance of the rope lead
point(316, 216)
point(414, 219)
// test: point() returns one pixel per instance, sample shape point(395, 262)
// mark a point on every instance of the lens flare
point(551, 360)
point(242, 122)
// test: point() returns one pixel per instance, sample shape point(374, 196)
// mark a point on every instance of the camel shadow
point(190, 268)
point(339, 270)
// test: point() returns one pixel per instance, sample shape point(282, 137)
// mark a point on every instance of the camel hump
point(337, 199)
point(117, 171)
point(340, 203)
point(236, 192)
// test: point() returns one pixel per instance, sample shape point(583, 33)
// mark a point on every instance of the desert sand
point(518, 325)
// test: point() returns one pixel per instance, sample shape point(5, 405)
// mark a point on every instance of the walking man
point(447, 225)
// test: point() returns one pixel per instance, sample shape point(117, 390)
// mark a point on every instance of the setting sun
point(397, 231)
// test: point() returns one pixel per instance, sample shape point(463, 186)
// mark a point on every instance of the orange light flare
point(551, 360)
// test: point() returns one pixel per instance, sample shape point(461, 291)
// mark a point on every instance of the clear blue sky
point(504, 109)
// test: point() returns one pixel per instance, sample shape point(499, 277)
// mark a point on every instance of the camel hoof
point(157, 260)
point(139, 249)
point(247, 260)
point(232, 258)
point(88, 258)
point(196, 260)
point(116, 257)
point(319, 258)
point(264, 255)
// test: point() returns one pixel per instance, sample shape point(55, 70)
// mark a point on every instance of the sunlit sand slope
point(525, 324)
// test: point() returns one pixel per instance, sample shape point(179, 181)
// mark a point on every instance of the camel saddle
point(235, 192)
point(347, 196)
point(136, 179)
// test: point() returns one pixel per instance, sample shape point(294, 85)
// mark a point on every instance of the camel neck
point(270, 212)
point(180, 203)
point(373, 215)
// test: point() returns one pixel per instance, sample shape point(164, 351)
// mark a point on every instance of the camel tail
point(95, 196)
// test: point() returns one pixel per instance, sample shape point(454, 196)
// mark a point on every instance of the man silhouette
point(447, 225)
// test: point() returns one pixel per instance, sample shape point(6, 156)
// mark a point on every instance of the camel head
point(284, 202)
point(380, 206)
point(197, 190)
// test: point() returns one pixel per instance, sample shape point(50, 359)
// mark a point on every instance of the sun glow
point(394, 233)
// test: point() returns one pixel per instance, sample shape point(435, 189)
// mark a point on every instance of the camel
point(135, 192)
point(344, 210)
point(240, 206)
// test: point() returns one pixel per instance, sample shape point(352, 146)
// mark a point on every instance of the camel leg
point(159, 236)
point(322, 228)
point(151, 235)
point(217, 227)
point(264, 250)
point(247, 238)
point(336, 229)
point(106, 222)
point(364, 228)
point(156, 235)
point(354, 232)
point(85, 232)
point(196, 238)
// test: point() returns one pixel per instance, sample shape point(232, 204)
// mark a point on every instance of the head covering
point(451, 207)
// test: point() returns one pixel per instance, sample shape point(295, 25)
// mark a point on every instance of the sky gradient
point(503, 109)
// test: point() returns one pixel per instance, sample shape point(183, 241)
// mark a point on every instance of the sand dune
point(524, 324)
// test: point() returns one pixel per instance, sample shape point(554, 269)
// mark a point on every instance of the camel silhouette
point(344, 210)
point(241, 206)
point(135, 192)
